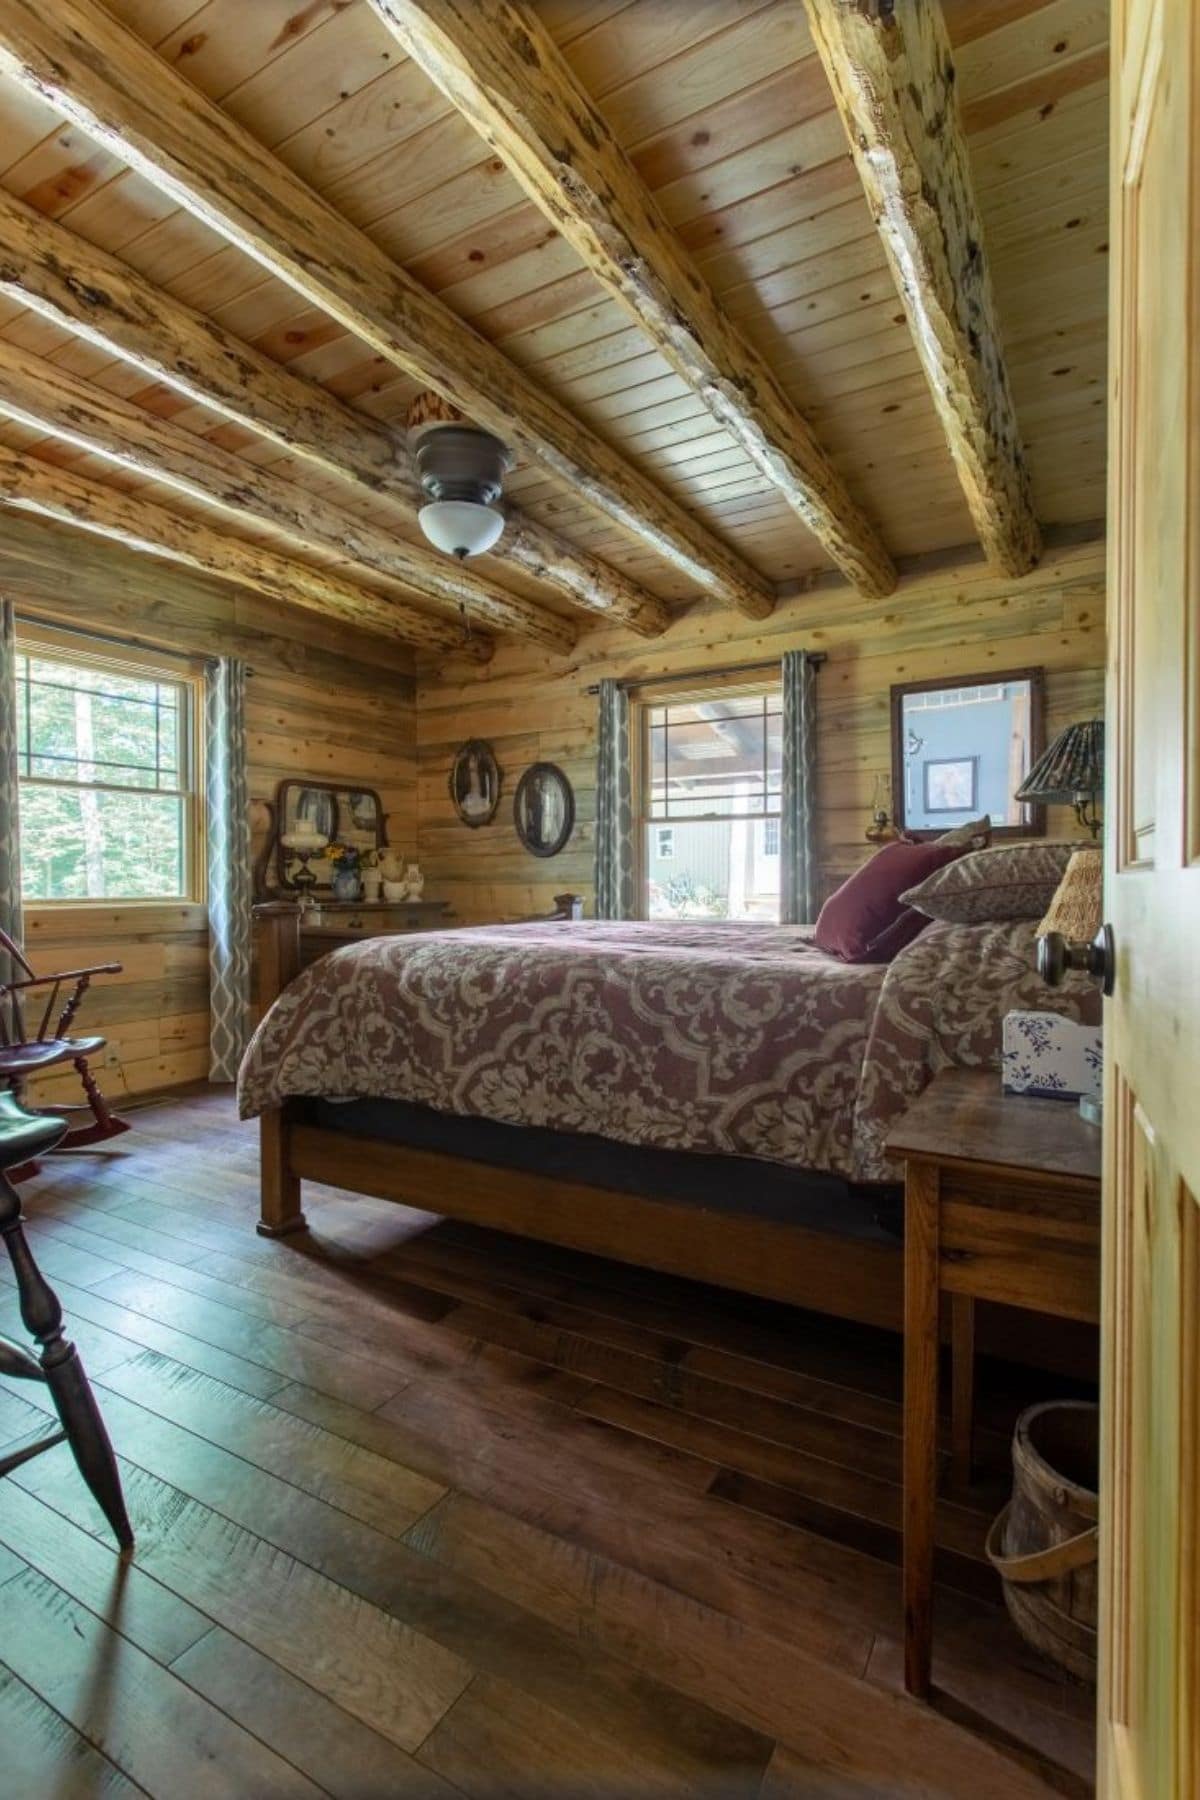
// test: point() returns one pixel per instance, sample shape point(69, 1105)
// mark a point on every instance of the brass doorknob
point(1056, 954)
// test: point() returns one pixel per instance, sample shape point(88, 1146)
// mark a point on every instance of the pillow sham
point(854, 921)
point(1009, 881)
point(975, 835)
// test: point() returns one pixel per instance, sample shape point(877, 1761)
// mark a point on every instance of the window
point(711, 766)
point(106, 760)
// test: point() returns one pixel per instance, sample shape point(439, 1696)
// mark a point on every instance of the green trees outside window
point(105, 781)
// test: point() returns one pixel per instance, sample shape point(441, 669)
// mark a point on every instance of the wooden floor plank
point(150, 1724)
point(423, 1509)
point(44, 1755)
point(702, 1651)
point(498, 1743)
point(680, 1334)
point(483, 1454)
point(375, 1667)
point(845, 1490)
point(344, 1757)
point(406, 1623)
point(355, 1481)
point(123, 1332)
point(330, 1370)
point(88, 1568)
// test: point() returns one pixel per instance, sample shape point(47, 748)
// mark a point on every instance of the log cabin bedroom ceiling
point(754, 293)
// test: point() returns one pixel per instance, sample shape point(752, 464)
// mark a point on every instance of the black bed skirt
point(740, 1185)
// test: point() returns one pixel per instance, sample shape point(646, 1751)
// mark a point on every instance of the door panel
point(1150, 1499)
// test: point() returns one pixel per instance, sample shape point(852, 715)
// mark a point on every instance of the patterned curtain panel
point(229, 875)
point(615, 897)
point(797, 830)
point(10, 831)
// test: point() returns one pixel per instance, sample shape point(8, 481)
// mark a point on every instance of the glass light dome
point(461, 528)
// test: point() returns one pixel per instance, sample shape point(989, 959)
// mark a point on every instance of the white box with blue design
point(1051, 1056)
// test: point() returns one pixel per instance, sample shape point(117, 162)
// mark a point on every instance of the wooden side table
point(1002, 1202)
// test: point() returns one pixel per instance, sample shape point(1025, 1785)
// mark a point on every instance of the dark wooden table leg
point(962, 1390)
point(920, 1417)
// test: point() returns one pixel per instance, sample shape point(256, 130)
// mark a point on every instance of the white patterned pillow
point(1009, 881)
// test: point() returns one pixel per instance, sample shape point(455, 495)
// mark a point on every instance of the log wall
point(321, 701)
point(955, 620)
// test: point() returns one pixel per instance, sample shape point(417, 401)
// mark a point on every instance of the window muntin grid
point(718, 757)
point(106, 765)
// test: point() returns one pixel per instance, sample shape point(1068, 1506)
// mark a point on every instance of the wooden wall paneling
point(954, 619)
point(321, 700)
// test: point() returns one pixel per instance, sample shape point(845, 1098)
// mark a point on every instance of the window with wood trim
point(709, 786)
point(107, 747)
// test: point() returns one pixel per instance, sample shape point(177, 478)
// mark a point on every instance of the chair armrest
point(33, 981)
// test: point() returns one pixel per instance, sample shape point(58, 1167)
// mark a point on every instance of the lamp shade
point(1077, 907)
point(461, 527)
point(1072, 769)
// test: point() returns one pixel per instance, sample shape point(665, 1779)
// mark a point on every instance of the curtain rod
point(815, 657)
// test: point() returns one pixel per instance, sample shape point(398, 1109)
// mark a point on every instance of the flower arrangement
point(346, 857)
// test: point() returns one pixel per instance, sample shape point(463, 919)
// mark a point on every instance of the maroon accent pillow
point(896, 937)
point(854, 920)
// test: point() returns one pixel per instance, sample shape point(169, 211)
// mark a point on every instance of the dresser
point(332, 923)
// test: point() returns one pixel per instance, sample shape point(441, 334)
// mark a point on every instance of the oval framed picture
point(475, 783)
point(544, 809)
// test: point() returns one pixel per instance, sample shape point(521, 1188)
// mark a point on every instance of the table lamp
point(1070, 773)
point(1073, 936)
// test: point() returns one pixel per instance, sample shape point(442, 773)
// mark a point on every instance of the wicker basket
point(1044, 1543)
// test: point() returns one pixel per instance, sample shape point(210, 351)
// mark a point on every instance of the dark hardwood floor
point(422, 1510)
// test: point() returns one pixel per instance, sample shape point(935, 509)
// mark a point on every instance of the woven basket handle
point(1041, 1565)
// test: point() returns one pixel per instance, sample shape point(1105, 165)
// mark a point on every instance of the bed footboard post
point(278, 964)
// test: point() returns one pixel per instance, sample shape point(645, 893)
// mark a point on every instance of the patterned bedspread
point(735, 1039)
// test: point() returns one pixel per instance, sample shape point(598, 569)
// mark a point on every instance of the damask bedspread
point(735, 1039)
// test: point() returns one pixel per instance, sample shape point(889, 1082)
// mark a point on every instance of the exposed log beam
point(48, 398)
point(77, 57)
point(496, 62)
point(38, 487)
point(94, 296)
point(892, 74)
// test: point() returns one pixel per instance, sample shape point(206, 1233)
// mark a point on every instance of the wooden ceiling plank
point(496, 63)
point(28, 485)
point(893, 82)
point(119, 91)
point(40, 394)
point(90, 294)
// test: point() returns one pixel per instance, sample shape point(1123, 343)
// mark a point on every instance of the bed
point(711, 1100)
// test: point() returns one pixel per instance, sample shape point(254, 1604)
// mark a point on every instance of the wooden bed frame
point(842, 1277)
point(850, 1278)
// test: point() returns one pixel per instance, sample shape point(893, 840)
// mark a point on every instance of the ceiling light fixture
point(462, 470)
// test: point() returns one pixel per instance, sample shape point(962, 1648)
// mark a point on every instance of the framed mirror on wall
point(961, 748)
point(321, 812)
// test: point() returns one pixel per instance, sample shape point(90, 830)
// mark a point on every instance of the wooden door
point(1150, 1462)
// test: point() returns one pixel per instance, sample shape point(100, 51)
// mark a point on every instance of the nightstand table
point(1001, 1202)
